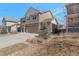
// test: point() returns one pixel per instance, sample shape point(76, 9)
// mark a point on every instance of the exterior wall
point(30, 20)
point(53, 27)
point(10, 23)
point(14, 28)
point(72, 18)
point(45, 17)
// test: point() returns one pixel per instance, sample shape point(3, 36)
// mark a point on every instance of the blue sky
point(17, 10)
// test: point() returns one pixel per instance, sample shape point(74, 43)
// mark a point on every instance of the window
point(76, 19)
point(76, 24)
point(33, 17)
point(28, 18)
point(22, 20)
point(70, 10)
point(73, 29)
point(9, 29)
point(76, 9)
point(48, 23)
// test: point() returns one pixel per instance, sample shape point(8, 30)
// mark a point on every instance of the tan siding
point(14, 29)
point(45, 17)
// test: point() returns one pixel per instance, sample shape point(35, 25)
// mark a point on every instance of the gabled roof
point(54, 21)
point(30, 11)
point(49, 17)
point(10, 20)
point(45, 16)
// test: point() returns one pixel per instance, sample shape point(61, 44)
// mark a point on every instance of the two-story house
point(33, 20)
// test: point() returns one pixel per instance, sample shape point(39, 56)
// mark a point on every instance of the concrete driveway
point(13, 39)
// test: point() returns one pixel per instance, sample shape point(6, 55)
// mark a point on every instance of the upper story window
point(76, 19)
point(28, 18)
point(76, 9)
point(33, 17)
point(70, 10)
point(73, 9)
point(22, 20)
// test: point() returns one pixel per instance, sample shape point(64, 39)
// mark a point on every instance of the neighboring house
point(72, 22)
point(33, 20)
point(11, 24)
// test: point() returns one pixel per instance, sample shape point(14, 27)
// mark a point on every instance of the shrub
point(3, 32)
point(34, 41)
point(44, 31)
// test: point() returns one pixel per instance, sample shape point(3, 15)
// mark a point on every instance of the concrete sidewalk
point(14, 39)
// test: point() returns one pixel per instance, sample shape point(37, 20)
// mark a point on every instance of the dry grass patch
point(59, 47)
point(11, 49)
point(35, 40)
point(65, 46)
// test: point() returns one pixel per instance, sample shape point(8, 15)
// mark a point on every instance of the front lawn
point(8, 50)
